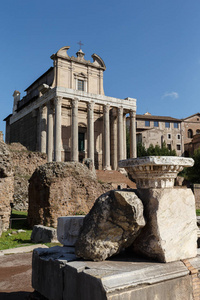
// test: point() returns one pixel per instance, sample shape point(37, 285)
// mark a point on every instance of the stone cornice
point(129, 103)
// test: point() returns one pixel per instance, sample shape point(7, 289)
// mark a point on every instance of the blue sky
point(151, 48)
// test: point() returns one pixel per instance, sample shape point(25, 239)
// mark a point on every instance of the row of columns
point(48, 143)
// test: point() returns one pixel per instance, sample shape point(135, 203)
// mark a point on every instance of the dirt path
point(15, 276)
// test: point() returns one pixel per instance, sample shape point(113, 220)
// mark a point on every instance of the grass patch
point(13, 239)
point(198, 212)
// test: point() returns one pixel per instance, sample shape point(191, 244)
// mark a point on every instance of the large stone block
point(112, 225)
point(68, 229)
point(58, 275)
point(47, 270)
point(43, 234)
point(171, 232)
point(61, 189)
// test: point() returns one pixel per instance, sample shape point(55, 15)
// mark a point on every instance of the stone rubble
point(112, 225)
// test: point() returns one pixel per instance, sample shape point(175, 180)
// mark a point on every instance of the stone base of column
point(107, 168)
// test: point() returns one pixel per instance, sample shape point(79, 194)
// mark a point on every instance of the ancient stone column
point(57, 141)
point(113, 146)
point(90, 131)
point(74, 135)
point(49, 131)
point(133, 145)
point(106, 136)
point(124, 133)
point(43, 129)
point(120, 133)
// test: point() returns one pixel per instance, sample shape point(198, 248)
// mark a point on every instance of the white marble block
point(170, 233)
point(68, 229)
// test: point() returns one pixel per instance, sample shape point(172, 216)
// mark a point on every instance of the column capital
point(57, 100)
point(132, 113)
point(90, 106)
point(120, 110)
point(106, 108)
point(74, 102)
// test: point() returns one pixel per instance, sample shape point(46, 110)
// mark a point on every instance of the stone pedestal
point(170, 232)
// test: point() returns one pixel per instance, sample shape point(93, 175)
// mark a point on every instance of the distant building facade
point(156, 130)
point(66, 114)
point(191, 133)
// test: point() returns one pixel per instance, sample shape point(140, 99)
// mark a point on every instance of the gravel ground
point(15, 276)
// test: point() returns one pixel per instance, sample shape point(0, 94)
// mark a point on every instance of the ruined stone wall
point(60, 189)
point(24, 163)
point(6, 186)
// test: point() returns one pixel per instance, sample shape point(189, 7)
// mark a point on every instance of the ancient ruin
point(112, 225)
point(127, 276)
point(6, 186)
point(60, 189)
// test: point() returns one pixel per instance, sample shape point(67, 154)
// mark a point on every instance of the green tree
point(193, 174)
point(154, 150)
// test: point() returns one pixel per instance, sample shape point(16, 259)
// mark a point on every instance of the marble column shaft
point(90, 131)
point(106, 136)
point(74, 135)
point(120, 133)
point(49, 131)
point(133, 145)
point(113, 146)
point(57, 141)
point(124, 132)
point(43, 129)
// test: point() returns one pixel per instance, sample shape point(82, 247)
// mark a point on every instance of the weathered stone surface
point(58, 275)
point(68, 229)
point(61, 189)
point(5, 161)
point(43, 234)
point(171, 232)
point(24, 163)
point(112, 225)
point(155, 171)
point(47, 270)
point(6, 185)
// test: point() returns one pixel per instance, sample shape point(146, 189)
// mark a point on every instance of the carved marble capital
point(132, 114)
point(106, 108)
point(155, 171)
point(90, 106)
point(58, 100)
point(74, 102)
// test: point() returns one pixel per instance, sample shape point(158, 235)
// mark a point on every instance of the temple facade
point(66, 114)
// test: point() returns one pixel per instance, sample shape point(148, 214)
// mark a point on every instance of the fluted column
point(43, 129)
point(49, 131)
point(120, 133)
point(90, 131)
point(74, 135)
point(133, 144)
point(106, 136)
point(57, 141)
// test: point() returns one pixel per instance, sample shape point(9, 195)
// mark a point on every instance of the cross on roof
point(80, 44)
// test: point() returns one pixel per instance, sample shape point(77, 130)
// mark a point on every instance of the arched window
point(190, 133)
point(198, 131)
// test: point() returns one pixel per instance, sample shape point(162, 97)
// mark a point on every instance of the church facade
point(66, 114)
